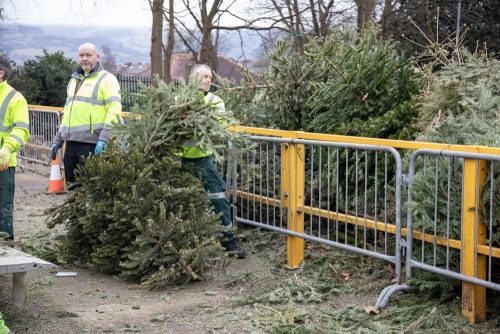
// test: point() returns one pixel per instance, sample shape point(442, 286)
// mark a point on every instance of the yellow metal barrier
point(473, 296)
point(474, 236)
point(293, 195)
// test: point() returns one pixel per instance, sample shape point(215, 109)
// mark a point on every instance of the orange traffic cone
point(56, 185)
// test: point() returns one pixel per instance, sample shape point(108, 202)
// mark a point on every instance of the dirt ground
point(92, 302)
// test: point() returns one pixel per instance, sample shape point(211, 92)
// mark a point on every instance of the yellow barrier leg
point(473, 296)
point(293, 200)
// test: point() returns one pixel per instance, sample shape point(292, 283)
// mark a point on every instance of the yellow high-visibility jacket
point(14, 116)
point(189, 149)
point(92, 106)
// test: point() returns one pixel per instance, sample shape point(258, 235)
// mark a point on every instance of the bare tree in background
point(108, 59)
point(388, 9)
point(298, 18)
point(365, 12)
point(204, 18)
point(301, 18)
point(156, 37)
point(169, 50)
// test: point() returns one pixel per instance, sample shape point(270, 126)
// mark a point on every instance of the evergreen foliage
point(43, 80)
point(341, 79)
point(461, 107)
point(366, 81)
point(139, 213)
point(343, 84)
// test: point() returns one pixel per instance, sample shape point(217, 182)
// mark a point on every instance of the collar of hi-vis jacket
point(80, 73)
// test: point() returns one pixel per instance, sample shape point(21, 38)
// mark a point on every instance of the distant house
point(183, 62)
point(135, 70)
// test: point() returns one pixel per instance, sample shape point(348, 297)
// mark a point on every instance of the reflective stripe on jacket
point(189, 149)
point(14, 116)
point(92, 106)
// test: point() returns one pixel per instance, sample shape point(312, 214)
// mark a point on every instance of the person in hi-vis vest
point(14, 133)
point(201, 160)
point(92, 106)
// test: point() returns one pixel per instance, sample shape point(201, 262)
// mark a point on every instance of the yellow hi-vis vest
point(14, 117)
point(189, 149)
point(91, 108)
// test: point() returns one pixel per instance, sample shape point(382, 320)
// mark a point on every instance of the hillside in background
point(128, 44)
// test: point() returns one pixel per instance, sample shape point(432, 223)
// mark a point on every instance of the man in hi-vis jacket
point(14, 133)
point(201, 160)
point(92, 106)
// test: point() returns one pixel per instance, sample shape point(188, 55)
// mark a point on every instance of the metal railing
point(340, 171)
point(329, 213)
point(44, 122)
point(455, 228)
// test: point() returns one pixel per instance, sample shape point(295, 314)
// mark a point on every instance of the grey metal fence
point(354, 202)
point(449, 224)
point(43, 128)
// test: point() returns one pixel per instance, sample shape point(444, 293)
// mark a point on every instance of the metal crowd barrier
point(44, 122)
point(329, 214)
point(463, 225)
point(343, 173)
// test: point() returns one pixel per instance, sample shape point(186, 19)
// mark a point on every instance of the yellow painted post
point(293, 199)
point(473, 296)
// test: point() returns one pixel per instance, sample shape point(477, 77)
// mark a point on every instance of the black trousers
point(73, 157)
point(212, 182)
point(7, 187)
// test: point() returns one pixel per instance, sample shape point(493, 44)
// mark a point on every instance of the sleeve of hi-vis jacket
point(112, 94)
point(18, 115)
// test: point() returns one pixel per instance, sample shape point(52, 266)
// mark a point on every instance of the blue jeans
point(7, 187)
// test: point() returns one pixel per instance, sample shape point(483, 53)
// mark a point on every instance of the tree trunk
point(314, 16)
point(208, 54)
point(207, 50)
point(365, 11)
point(388, 7)
point(156, 37)
point(298, 28)
point(169, 50)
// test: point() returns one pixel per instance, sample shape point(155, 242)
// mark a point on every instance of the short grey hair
point(5, 67)
point(197, 67)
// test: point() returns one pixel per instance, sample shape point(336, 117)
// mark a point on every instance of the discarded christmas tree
point(138, 212)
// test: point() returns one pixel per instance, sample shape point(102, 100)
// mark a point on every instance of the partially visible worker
point(4, 329)
point(203, 166)
point(14, 133)
point(92, 106)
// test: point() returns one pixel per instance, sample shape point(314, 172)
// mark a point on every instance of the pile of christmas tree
point(140, 214)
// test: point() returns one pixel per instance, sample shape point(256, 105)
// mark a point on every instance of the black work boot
point(232, 247)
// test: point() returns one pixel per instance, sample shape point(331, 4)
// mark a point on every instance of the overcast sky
point(79, 12)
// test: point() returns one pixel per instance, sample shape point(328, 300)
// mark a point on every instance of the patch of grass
point(239, 279)
point(66, 314)
point(332, 279)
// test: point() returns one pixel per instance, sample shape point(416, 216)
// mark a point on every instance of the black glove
point(53, 151)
